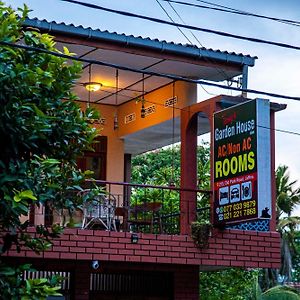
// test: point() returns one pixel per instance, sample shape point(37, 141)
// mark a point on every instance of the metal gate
point(131, 286)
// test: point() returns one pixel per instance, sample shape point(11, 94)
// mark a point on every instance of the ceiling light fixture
point(92, 86)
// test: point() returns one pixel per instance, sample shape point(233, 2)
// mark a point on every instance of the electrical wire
point(227, 9)
point(163, 75)
point(219, 71)
point(187, 38)
point(280, 130)
point(269, 128)
point(181, 19)
point(57, 54)
point(191, 27)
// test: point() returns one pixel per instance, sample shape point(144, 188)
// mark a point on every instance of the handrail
point(176, 214)
point(149, 186)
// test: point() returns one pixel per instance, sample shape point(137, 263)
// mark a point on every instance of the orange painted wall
point(115, 145)
point(186, 94)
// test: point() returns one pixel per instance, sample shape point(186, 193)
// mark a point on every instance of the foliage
point(240, 284)
point(280, 292)
point(228, 284)
point(16, 287)
point(287, 198)
point(200, 231)
point(162, 167)
point(42, 132)
point(296, 259)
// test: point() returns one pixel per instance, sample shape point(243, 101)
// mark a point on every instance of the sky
point(277, 70)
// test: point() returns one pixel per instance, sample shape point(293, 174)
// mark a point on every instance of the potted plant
point(200, 231)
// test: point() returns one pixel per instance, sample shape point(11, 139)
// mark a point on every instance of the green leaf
point(27, 194)
point(7, 271)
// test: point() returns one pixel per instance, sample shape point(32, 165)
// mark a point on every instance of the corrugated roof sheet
point(183, 49)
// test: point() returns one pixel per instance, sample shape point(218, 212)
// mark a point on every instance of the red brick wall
point(234, 248)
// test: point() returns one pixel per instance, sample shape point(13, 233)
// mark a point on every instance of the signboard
point(242, 165)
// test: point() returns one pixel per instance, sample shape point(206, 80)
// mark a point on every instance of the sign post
point(242, 163)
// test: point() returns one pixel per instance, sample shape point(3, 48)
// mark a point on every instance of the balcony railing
point(150, 208)
point(122, 206)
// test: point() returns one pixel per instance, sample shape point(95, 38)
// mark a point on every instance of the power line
point(191, 27)
point(164, 75)
point(181, 31)
point(57, 54)
point(280, 130)
point(174, 22)
point(227, 9)
point(269, 128)
point(181, 19)
point(207, 59)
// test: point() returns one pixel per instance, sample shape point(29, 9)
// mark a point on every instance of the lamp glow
point(92, 86)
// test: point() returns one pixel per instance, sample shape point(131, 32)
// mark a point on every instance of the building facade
point(148, 100)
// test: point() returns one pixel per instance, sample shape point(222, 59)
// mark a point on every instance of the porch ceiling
point(130, 83)
point(158, 136)
point(141, 54)
point(131, 86)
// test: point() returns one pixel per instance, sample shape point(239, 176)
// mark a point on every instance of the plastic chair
point(100, 211)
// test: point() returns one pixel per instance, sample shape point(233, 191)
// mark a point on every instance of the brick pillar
point(188, 170)
point(81, 281)
point(186, 283)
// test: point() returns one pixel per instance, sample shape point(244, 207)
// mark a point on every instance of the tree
point(42, 131)
point(279, 293)
point(287, 198)
point(162, 167)
point(228, 284)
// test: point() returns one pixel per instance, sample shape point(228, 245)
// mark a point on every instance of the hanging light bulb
point(172, 179)
point(92, 86)
point(143, 111)
point(116, 122)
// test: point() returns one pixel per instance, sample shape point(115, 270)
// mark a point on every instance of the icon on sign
point(246, 190)
point(265, 213)
point(235, 193)
point(223, 195)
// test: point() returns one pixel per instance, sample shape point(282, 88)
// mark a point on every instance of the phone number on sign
point(237, 210)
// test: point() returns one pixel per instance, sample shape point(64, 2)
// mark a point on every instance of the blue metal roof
point(186, 50)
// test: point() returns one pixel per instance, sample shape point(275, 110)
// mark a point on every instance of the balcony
point(137, 208)
point(159, 241)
